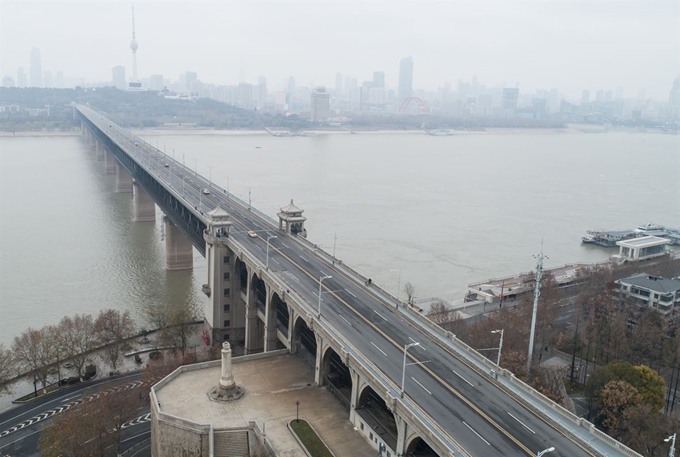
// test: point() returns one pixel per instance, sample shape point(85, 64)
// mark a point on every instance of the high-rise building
point(156, 82)
point(378, 79)
point(599, 96)
point(118, 77)
point(21, 77)
point(376, 96)
point(642, 94)
point(320, 105)
point(405, 78)
point(674, 97)
point(608, 96)
point(36, 68)
point(47, 79)
point(338, 85)
point(262, 92)
point(245, 95)
point(7, 81)
point(510, 97)
point(135, 83)
point(585, 96)
point(190, 77)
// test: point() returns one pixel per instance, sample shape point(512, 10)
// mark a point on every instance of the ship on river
point(608, 238)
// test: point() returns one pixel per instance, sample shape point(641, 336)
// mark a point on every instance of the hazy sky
point(571, 45)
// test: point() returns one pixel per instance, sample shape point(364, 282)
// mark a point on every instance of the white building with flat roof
point(645, 247)
point(653, 291)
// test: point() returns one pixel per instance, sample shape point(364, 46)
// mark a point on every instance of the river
point(446, 211)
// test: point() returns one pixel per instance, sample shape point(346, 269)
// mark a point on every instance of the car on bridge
point(252, 234)
point(206, 191)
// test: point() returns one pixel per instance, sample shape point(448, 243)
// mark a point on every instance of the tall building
point(599, 96)
point(245, 95)
point(190, 77)
point(291, 85)
point(118, 77)
point(156, 82)
point(135, 83)
point(320, 105)
point(378, 79)
point(8, 81)
point(21, 77)
point(405, 78)
point(674, 97)
point(585, 96)
point(510, 97)
point(262, 92)
point(36, 68)
point(608, 96)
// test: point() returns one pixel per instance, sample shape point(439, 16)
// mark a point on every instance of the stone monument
point(226, 390)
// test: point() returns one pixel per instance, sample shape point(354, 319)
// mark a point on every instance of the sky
point(565, 44)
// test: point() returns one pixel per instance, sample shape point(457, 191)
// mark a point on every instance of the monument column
point(123, 179)
point(179, 254)
point(145, 208)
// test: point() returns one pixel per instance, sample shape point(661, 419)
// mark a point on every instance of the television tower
point(134, 46)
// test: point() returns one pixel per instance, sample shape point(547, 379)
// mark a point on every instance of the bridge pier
point(354, 396)
point(292, 315)
point(270, 337)
point(221, 318)
point(99, 147)
point(252, 339)
point(145, 208)
point(123, 179)
point(179, 252)
point(319, 369)
point(109, 162)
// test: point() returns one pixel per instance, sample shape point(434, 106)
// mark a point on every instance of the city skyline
point(616, 56)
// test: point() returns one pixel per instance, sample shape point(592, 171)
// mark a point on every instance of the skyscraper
point(378, 79)
point(36, 68)
point(190, 77)
point(245, 95)
point(405, 78)
point(320, 105)
point(21, 77)
point(118, 77)
point(262, 92)
point(585, 96)
point(156, 82)
point(134, 84)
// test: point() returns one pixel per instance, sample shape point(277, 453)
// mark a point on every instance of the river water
point(446, 211)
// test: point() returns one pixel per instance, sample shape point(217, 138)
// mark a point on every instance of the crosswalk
point(60, 409)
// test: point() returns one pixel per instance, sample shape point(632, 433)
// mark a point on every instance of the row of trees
point(37, 351)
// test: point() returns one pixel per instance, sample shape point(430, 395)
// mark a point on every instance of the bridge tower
point(292, 221)
point(219, 311)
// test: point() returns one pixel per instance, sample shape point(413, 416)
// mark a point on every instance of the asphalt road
point(479, 416)
point(20, 426)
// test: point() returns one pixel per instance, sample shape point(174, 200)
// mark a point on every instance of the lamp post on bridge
point(545, 451)
point(321, 278)
point(270, 237)
point(403, 368)
point(671, 451)
point(500, 346)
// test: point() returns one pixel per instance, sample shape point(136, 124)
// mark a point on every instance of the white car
point(252, 234)
point(206, 191)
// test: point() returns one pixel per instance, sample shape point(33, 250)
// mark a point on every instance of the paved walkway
point(272, 387)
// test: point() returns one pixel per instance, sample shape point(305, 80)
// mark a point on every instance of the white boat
point(648, 227)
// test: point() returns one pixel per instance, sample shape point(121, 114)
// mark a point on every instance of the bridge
point(409, 386)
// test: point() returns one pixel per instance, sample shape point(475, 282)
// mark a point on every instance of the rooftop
point(643, 242)
point(655, 283)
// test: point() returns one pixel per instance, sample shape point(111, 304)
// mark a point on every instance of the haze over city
point(572, 46)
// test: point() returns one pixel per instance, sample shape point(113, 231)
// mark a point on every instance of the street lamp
point(671, 451)
point(403, 368)
point(297, 411)
point(545, 451)
point(269, 237)
point(335, 240)
point(210, 176)
point(398, 283)
point(321, 278)
point(500, 346)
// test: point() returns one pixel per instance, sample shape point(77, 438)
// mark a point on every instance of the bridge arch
point(280, 309)
point(304, 342)
point(418, 447)
point(419, 102)
point(337, 377)
point(377, 422)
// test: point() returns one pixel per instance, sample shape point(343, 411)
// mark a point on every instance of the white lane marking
point(276, 261)
point(383, 352)
point(295, 278)
point(420, 345)
point(383, 317)
point(304, 259)
point(421, 385)
point(23, 438)
point(475, 432)
point(285, 245)
point(345, 320)
point(525, 425)
point(350, 293)
point(322, 272)
point(259, 247)
point(471, 385)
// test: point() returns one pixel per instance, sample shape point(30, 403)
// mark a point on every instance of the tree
point(7, 369)
point(113, 328)
point(175, 332)
point(409, 290)
point(650, 385)
point(549, 382)
point(440, 313)
point(77, 339)
point(35, 351)
point(616, 397)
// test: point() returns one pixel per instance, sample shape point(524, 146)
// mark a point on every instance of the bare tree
point(176, 331)
point(77, 339)
point(409, 290)
point(7, 369)
point(113, 328)
point(440, 313)
point(35, 351)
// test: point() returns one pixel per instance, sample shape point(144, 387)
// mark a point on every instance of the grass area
point(572, 388)
point(310, 439)
point(50, 388)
